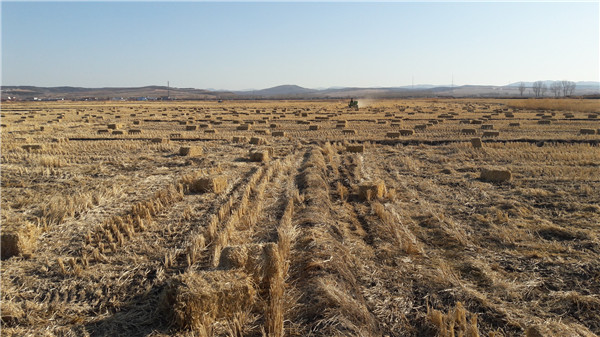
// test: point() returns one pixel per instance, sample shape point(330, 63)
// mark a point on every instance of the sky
point(248, 45)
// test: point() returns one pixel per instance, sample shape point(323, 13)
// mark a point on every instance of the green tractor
point(353, 104)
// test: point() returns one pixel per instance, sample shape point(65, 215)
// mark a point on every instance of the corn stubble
point(396, 219)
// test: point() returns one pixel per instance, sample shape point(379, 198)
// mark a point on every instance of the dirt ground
point(300, 218)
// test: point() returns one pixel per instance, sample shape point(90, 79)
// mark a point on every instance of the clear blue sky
point(259, 45)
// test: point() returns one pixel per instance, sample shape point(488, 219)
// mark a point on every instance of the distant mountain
point(281, 92)
point(151, 92)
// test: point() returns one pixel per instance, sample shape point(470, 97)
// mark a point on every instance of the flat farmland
point(430, 217)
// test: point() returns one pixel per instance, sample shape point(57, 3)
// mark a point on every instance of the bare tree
point(543, 89)
point(555, 88)
point(521, 88)
point(537, 88)
point(567, 87)
point(572, 86)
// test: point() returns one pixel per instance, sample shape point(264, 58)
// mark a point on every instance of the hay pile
point(190, 297)
point(216, 184)
point(31, 147)
point(257, 141)
point(259, 156)
point(587, 131)
point(190, 151)
point(476, 143)
point(495, 176)
point(371, 190)
point(355, 148)
point(491, 134)
point(19, 240)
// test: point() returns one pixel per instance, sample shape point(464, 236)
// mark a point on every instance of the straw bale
point(406, 132)
point(31, 147)
point(495, 176)
point(259, 156)
point(587, 131)
point(257, 141)
point(191, 151)
point(218, 294)
point(19, 240)
point(491, 133)
point(371, 190)
point(215, 184)
point(355, 148)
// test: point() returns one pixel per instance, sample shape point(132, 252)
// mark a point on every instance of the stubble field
point(301, 218)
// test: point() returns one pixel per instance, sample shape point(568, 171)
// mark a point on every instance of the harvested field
point(388, 230)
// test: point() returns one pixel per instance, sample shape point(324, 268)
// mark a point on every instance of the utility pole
point(168, 91)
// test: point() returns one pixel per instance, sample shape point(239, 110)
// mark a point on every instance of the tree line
point(558, 88)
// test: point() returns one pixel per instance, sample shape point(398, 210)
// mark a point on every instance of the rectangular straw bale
point(257, 141)
point(587, 131)
point(19, 240)
point(406, 132)
point(191, 151)
point(491, 134)
point(355, 148)
point(188, 297)
point(371, 190)
point(495, 176)
point(214, 184)
point(476, 143)
point(259, 156)
point(31, 147)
